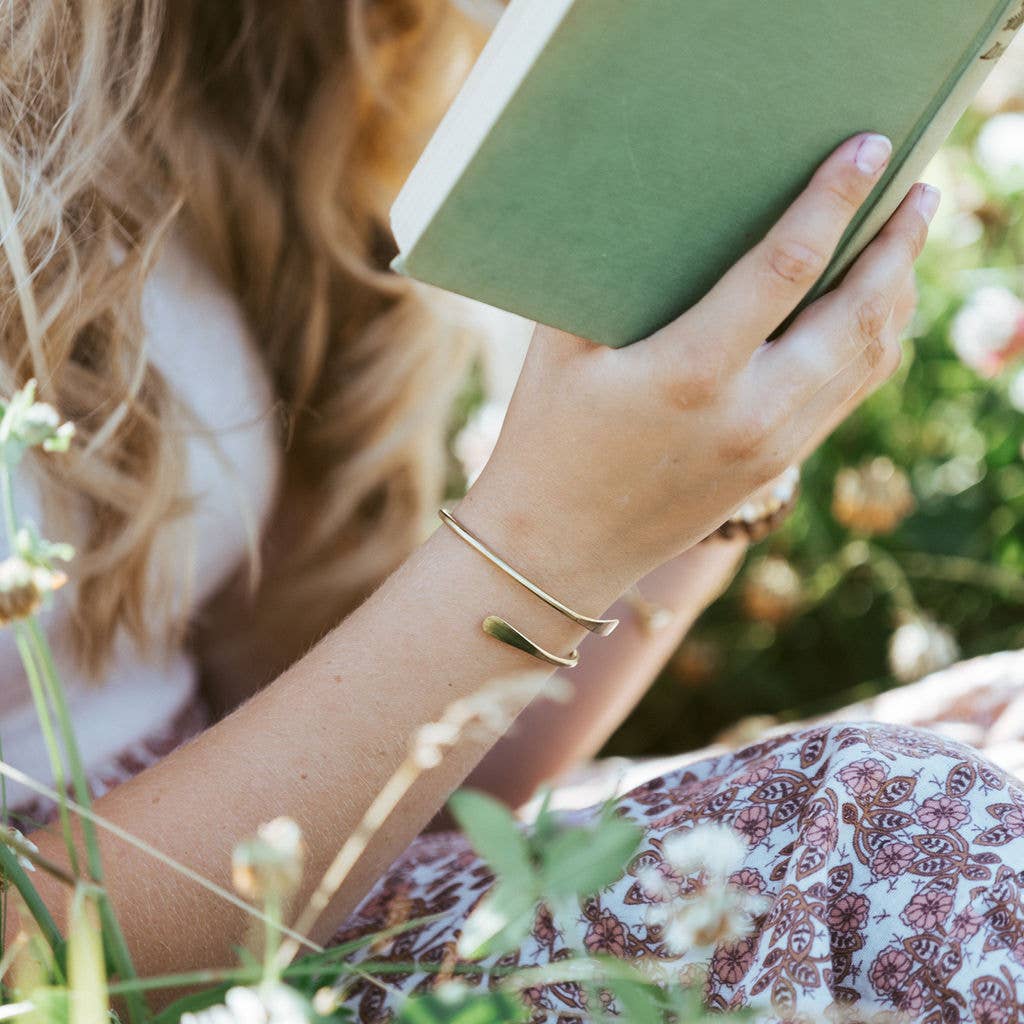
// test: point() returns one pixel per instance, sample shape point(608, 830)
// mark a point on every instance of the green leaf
point(495, 836)
point(501, 921)
point(545, 824)
point(640, 1002)
point(455, 1004)
point(582, 861)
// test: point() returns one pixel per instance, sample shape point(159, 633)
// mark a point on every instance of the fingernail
point(928, 199)
point(873, 153)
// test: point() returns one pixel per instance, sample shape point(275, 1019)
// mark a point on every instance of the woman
point(195, 274)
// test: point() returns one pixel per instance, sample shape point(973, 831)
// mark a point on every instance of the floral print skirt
point(889, 847)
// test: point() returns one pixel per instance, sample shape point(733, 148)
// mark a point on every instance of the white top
point(199, 341)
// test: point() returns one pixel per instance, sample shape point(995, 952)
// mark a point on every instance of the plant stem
point(38, 661)
point(46, 726)
point(26, 851)
point(18, 877)
point(271, 938)
point(117, 947)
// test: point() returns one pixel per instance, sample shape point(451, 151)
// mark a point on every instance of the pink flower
point(823, 831)
point(910, 1001)
point(965, 925)
point(748, 879)
point(890, 970)
point(942, 813)
point(863, 777)
point(752, 823)
point(757, 772)
point(893, 859)
point(544, 928)
point(731, 962)
point(1018, 953)
point(988, 332)
point(991, 1011)
point(848, 913)
point(606, 935)
point(1013, 820)
point(533, 996)
point(927, 910)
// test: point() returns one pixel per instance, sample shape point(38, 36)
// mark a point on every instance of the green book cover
point(607, 160)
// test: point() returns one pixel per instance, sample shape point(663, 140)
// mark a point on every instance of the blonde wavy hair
point(279, 132)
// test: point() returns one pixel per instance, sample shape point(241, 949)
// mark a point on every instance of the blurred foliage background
point(907, 549)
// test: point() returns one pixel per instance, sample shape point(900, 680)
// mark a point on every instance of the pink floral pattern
point(892, 859)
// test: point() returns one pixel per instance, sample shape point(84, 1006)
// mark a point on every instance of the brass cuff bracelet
point(504, 631)
point(602, 627)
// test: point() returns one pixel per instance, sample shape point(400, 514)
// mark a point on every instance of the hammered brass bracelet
point(601, 627)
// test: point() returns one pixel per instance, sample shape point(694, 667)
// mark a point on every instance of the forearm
point(320, 743)
point(613, 675)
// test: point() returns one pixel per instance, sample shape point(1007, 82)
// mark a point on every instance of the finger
point(887, 367)
point(902, 314)
point(769, 282)
point(849, 325)
point(844, 393)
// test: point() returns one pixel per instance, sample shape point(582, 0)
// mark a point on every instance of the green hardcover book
point(607, 160)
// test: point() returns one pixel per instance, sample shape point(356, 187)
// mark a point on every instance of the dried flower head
point(919, 647)
point(772, 591)
point(697, 662)
point(269, 866)
point(873, 498)
point(24, 587)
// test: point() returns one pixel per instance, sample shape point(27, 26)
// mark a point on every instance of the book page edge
point(480, 102)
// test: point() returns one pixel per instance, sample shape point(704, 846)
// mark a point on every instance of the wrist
point(551, 548)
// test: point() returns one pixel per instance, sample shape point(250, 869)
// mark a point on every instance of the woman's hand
point(612, 461)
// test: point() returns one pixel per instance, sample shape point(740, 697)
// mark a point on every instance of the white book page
point(514, 46)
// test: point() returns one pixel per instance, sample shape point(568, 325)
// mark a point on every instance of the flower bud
point(772, 591)
point(269, 866)
point(874, 498)
point(919, 647)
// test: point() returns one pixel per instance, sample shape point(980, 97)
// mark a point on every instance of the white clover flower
point(717, 850)
point(653, 883)
point(1000, 150)
point(718, 913)
point(989, 330)
point(26, 423)
point(267, 1004)
point(474, 444)
point(920, 647)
